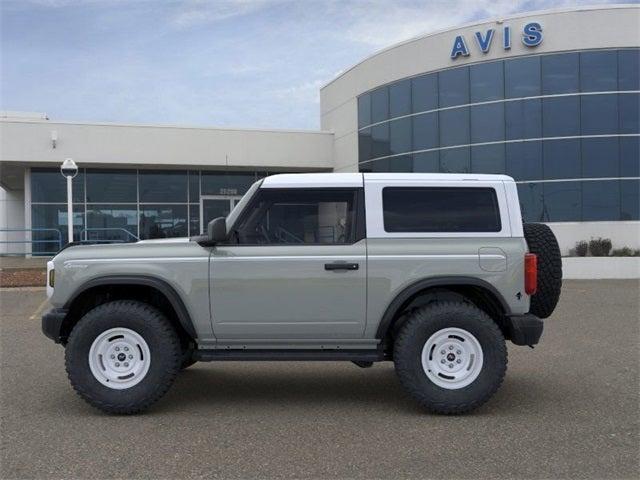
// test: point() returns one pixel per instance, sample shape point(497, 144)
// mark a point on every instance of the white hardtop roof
point(302, 180)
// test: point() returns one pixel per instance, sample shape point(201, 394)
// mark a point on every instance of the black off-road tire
point(543, 243)
point(416, 331)
point(153, 327)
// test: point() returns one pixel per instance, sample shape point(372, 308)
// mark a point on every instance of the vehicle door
point(294, 267)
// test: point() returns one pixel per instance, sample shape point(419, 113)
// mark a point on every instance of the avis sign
point(531, 37)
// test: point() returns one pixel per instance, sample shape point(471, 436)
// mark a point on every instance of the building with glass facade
point(563, 125)
point(549, 98)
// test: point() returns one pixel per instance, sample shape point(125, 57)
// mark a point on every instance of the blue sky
point(243, 63)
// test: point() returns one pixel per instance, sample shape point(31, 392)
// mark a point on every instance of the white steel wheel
point(119, 358)
point(452, 358)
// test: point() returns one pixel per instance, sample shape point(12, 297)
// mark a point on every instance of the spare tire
point(543, 243)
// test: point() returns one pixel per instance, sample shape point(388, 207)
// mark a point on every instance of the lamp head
point(69, 169)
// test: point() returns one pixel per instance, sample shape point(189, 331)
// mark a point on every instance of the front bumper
point(525, 329)
point(52, 324)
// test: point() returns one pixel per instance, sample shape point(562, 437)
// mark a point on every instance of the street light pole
point(69, 169)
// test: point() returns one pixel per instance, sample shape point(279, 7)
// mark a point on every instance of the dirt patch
point(19, 277)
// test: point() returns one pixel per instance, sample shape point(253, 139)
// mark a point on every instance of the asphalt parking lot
point(568, 409)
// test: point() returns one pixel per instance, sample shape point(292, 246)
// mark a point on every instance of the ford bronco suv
point(431, 271)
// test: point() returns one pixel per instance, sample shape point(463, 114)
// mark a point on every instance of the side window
point(298, 217)
point(440, 209)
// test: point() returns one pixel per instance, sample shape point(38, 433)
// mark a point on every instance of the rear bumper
point(525, 329)
point(52, 324)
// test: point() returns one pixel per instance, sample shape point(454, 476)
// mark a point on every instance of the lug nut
point(450, 347)
point(458, 352)
point(126, 364)
point(126, 349)
point(130, 357)
point(451, 365)
point(117, 364)
point(442, 361)
point(458, 361)
point(112, 357)
point(117, 349)
point(442, 352)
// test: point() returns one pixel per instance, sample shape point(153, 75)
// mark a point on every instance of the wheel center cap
point(122, 357)
point(451, 357)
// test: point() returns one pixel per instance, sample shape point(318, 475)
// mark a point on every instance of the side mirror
point(217, 230)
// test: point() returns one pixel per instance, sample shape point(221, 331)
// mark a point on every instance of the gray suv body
point(430, 271)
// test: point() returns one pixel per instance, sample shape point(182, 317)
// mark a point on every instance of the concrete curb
point(581, 268)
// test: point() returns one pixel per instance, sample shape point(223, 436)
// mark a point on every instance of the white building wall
point(11, 217)
point(30, 141)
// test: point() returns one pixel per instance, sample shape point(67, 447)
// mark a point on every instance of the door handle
point(341, 266)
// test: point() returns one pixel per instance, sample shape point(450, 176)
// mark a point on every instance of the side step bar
point(289, 355)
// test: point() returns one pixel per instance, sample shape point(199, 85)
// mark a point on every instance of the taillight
point(530, 273)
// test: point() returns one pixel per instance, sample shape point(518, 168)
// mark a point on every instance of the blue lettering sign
point(506, 38)
point(485, 43)
point(459, 48)
point(532, 35)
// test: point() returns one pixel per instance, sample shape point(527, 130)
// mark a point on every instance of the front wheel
point(122, 356)
point(450, 356)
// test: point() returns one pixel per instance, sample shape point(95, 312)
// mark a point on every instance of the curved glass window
point(629, 113)
point(487, 81)
point(598, 72)
point(560, 116)
point(488, 158)
point(599, 114)
point(543, 118)
point(561, 159)
point(523, 119)
point(629, 70)
point(424, 93)
point(562, 201)
point(525, 160)
point(600, 157)
point(453, 87)
point(379, 105)
point(400, 99)
point(560, 73)
point(487, 123)
point(400, 135)
point(454, 127)
point(522, 77)
point(455, 160)
point(425, 131)
point(629, 199)
point(630, 156)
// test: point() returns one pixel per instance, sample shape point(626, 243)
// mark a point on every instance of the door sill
point(289, 355)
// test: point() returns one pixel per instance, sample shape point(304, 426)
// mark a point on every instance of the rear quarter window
point(440, 209)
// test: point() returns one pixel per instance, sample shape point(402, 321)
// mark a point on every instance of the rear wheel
point(450, 356)
point(122, 356)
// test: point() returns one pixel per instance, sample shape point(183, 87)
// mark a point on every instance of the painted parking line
point(39, 310)
point(22, 289)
